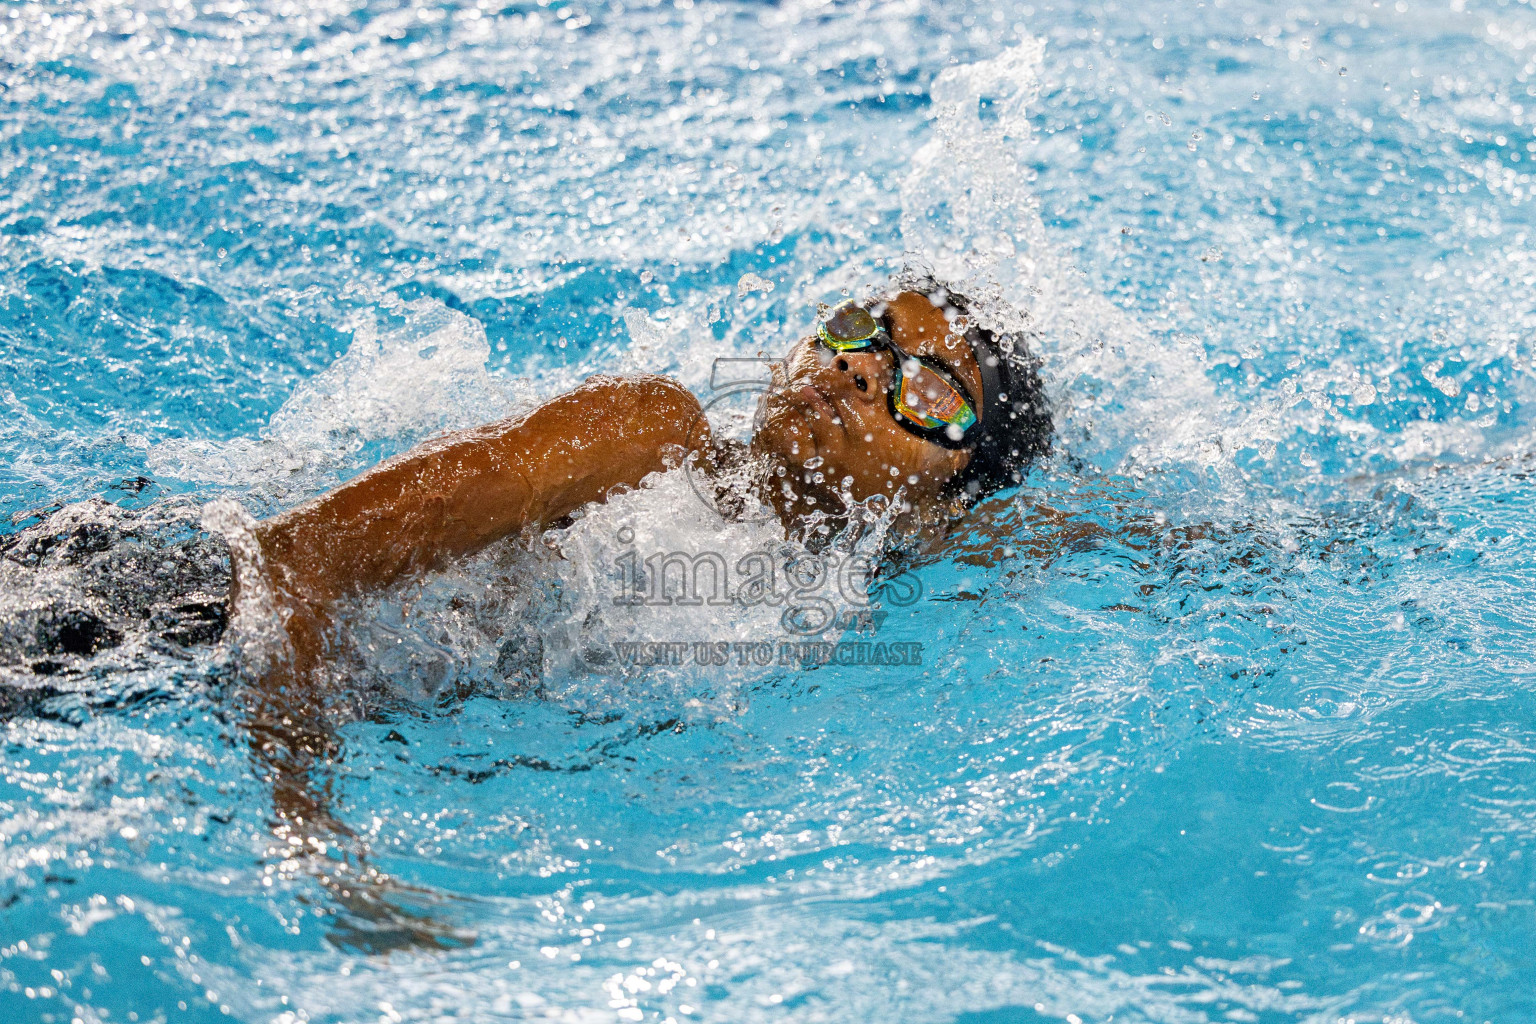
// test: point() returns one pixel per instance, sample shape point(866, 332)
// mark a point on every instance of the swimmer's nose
point(858, 378)
point(860, 374)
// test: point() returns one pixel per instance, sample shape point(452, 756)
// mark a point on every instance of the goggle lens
point(927, 399)
point(849, 327)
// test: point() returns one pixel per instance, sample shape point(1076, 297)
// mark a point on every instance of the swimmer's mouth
point(818, 400)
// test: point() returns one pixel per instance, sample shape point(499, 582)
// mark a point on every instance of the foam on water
point(563, 615)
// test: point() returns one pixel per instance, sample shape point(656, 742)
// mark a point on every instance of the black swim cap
point(1015, 427)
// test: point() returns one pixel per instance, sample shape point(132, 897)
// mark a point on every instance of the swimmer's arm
point(454, 495)
point(1003, 526)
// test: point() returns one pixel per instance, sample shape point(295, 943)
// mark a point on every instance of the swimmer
point(905, 398)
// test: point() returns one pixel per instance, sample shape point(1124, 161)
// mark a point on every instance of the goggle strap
point(993, 401)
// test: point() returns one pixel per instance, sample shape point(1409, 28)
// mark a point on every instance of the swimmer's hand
point(377, 914)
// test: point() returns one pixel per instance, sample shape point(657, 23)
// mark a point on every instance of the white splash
point(419, 368)
point(1122, 400)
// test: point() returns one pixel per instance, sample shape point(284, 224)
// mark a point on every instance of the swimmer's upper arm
point(457, 493)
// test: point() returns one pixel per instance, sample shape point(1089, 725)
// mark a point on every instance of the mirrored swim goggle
point(925, 398)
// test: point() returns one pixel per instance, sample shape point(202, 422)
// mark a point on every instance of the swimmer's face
point(834, 407)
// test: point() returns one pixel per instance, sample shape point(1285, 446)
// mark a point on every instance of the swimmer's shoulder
point(645, 405)
point(652, 391)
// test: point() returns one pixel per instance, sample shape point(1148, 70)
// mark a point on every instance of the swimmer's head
point(830, 427)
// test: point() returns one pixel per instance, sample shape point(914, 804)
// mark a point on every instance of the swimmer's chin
point(793, 488)
point(785, 441)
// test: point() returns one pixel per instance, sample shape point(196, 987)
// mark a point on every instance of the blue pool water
point(1233, 720)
